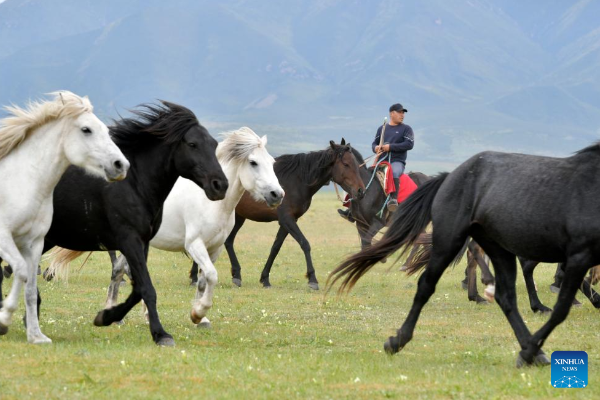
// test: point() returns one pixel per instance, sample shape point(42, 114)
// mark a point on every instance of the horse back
point(522, 201)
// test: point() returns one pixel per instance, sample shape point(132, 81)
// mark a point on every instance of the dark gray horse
point(540, 208)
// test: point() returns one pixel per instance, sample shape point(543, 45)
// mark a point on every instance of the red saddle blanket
point(407, 186)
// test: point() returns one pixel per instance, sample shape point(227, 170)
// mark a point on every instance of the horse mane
point(152, 122)
point(593, 148)
point(307, 166)
point(237, 145)
point(17, 127)
point(358, 156)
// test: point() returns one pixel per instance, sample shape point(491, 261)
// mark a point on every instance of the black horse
point(162, 142)
point(371, 215)
point(301, 176)
point(540, 208)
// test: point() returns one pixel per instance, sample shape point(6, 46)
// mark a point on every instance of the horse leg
point(363, 233)
point(136, 253)
point(206, 283)
point(264, 276)
point(558, 277)
point(118, 270)
point(576, 267)
point(505, 266)
point(11, 254)
point(236, 269)
point(443, 252)
point(589, 292)
point(292, 227)
point(486, 275)
point(534, 301)
point(34, 333)
point(471, 278)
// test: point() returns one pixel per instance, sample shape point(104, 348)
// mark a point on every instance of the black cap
point(397, 107)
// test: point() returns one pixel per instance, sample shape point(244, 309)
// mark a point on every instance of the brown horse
point(301, 176)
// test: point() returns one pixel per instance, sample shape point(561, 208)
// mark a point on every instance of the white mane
point(238, 145)
point(17, 127)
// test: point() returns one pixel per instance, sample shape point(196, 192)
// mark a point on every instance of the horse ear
point(332, 144)
point(264, 140)
point(343, 142)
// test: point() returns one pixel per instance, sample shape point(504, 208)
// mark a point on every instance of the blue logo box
point(569, 369)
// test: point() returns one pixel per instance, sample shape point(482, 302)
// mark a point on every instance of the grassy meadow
point(286, 342)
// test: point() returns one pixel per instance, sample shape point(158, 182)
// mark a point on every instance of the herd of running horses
point(159, 179)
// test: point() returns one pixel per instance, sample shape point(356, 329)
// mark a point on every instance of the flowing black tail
point(411, 218)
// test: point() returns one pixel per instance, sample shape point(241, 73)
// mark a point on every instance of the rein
point(378, 162)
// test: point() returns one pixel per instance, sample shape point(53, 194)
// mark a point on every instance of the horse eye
point(346, 165)
point(253, 163)
point(86, 130)
point(192, 145)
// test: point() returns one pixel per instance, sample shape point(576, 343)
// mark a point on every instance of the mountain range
point(475, 75)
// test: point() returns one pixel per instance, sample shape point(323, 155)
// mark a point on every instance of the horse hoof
point(41, 340)
point(237, 282)
point(521, 362)
point(389, 347)
point(99, 320)
point(489, 293)
point(3, 329)
point(542, 359)
point(195, 317)
point(121, 322)
point(463, 284)
point(167, 341)
point(205, 324)
point(554, 289)
point(576, 303)
point(266, 284)
point(313, 285)
point(193, 283)
point(383, 261)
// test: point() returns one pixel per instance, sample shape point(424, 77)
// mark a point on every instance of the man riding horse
point(392, 141)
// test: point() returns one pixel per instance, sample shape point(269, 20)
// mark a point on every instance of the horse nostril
point(274, 194)
point(118, 165)
point(218, 185)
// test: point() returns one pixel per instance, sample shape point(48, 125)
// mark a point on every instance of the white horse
point(37, 144)
point(193, 223)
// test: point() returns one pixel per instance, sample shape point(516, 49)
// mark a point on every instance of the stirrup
point(392, 205)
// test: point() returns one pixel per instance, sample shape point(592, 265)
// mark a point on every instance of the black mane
point(152, 122)
point(307, 166)
point(358, 156)
point(594, 148)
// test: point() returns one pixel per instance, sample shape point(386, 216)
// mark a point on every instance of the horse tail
point(61, 261)
point(409, 221)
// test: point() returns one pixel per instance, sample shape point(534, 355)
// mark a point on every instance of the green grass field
point(289, 341)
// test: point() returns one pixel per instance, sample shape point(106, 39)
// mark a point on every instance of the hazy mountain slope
point(476, 74)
